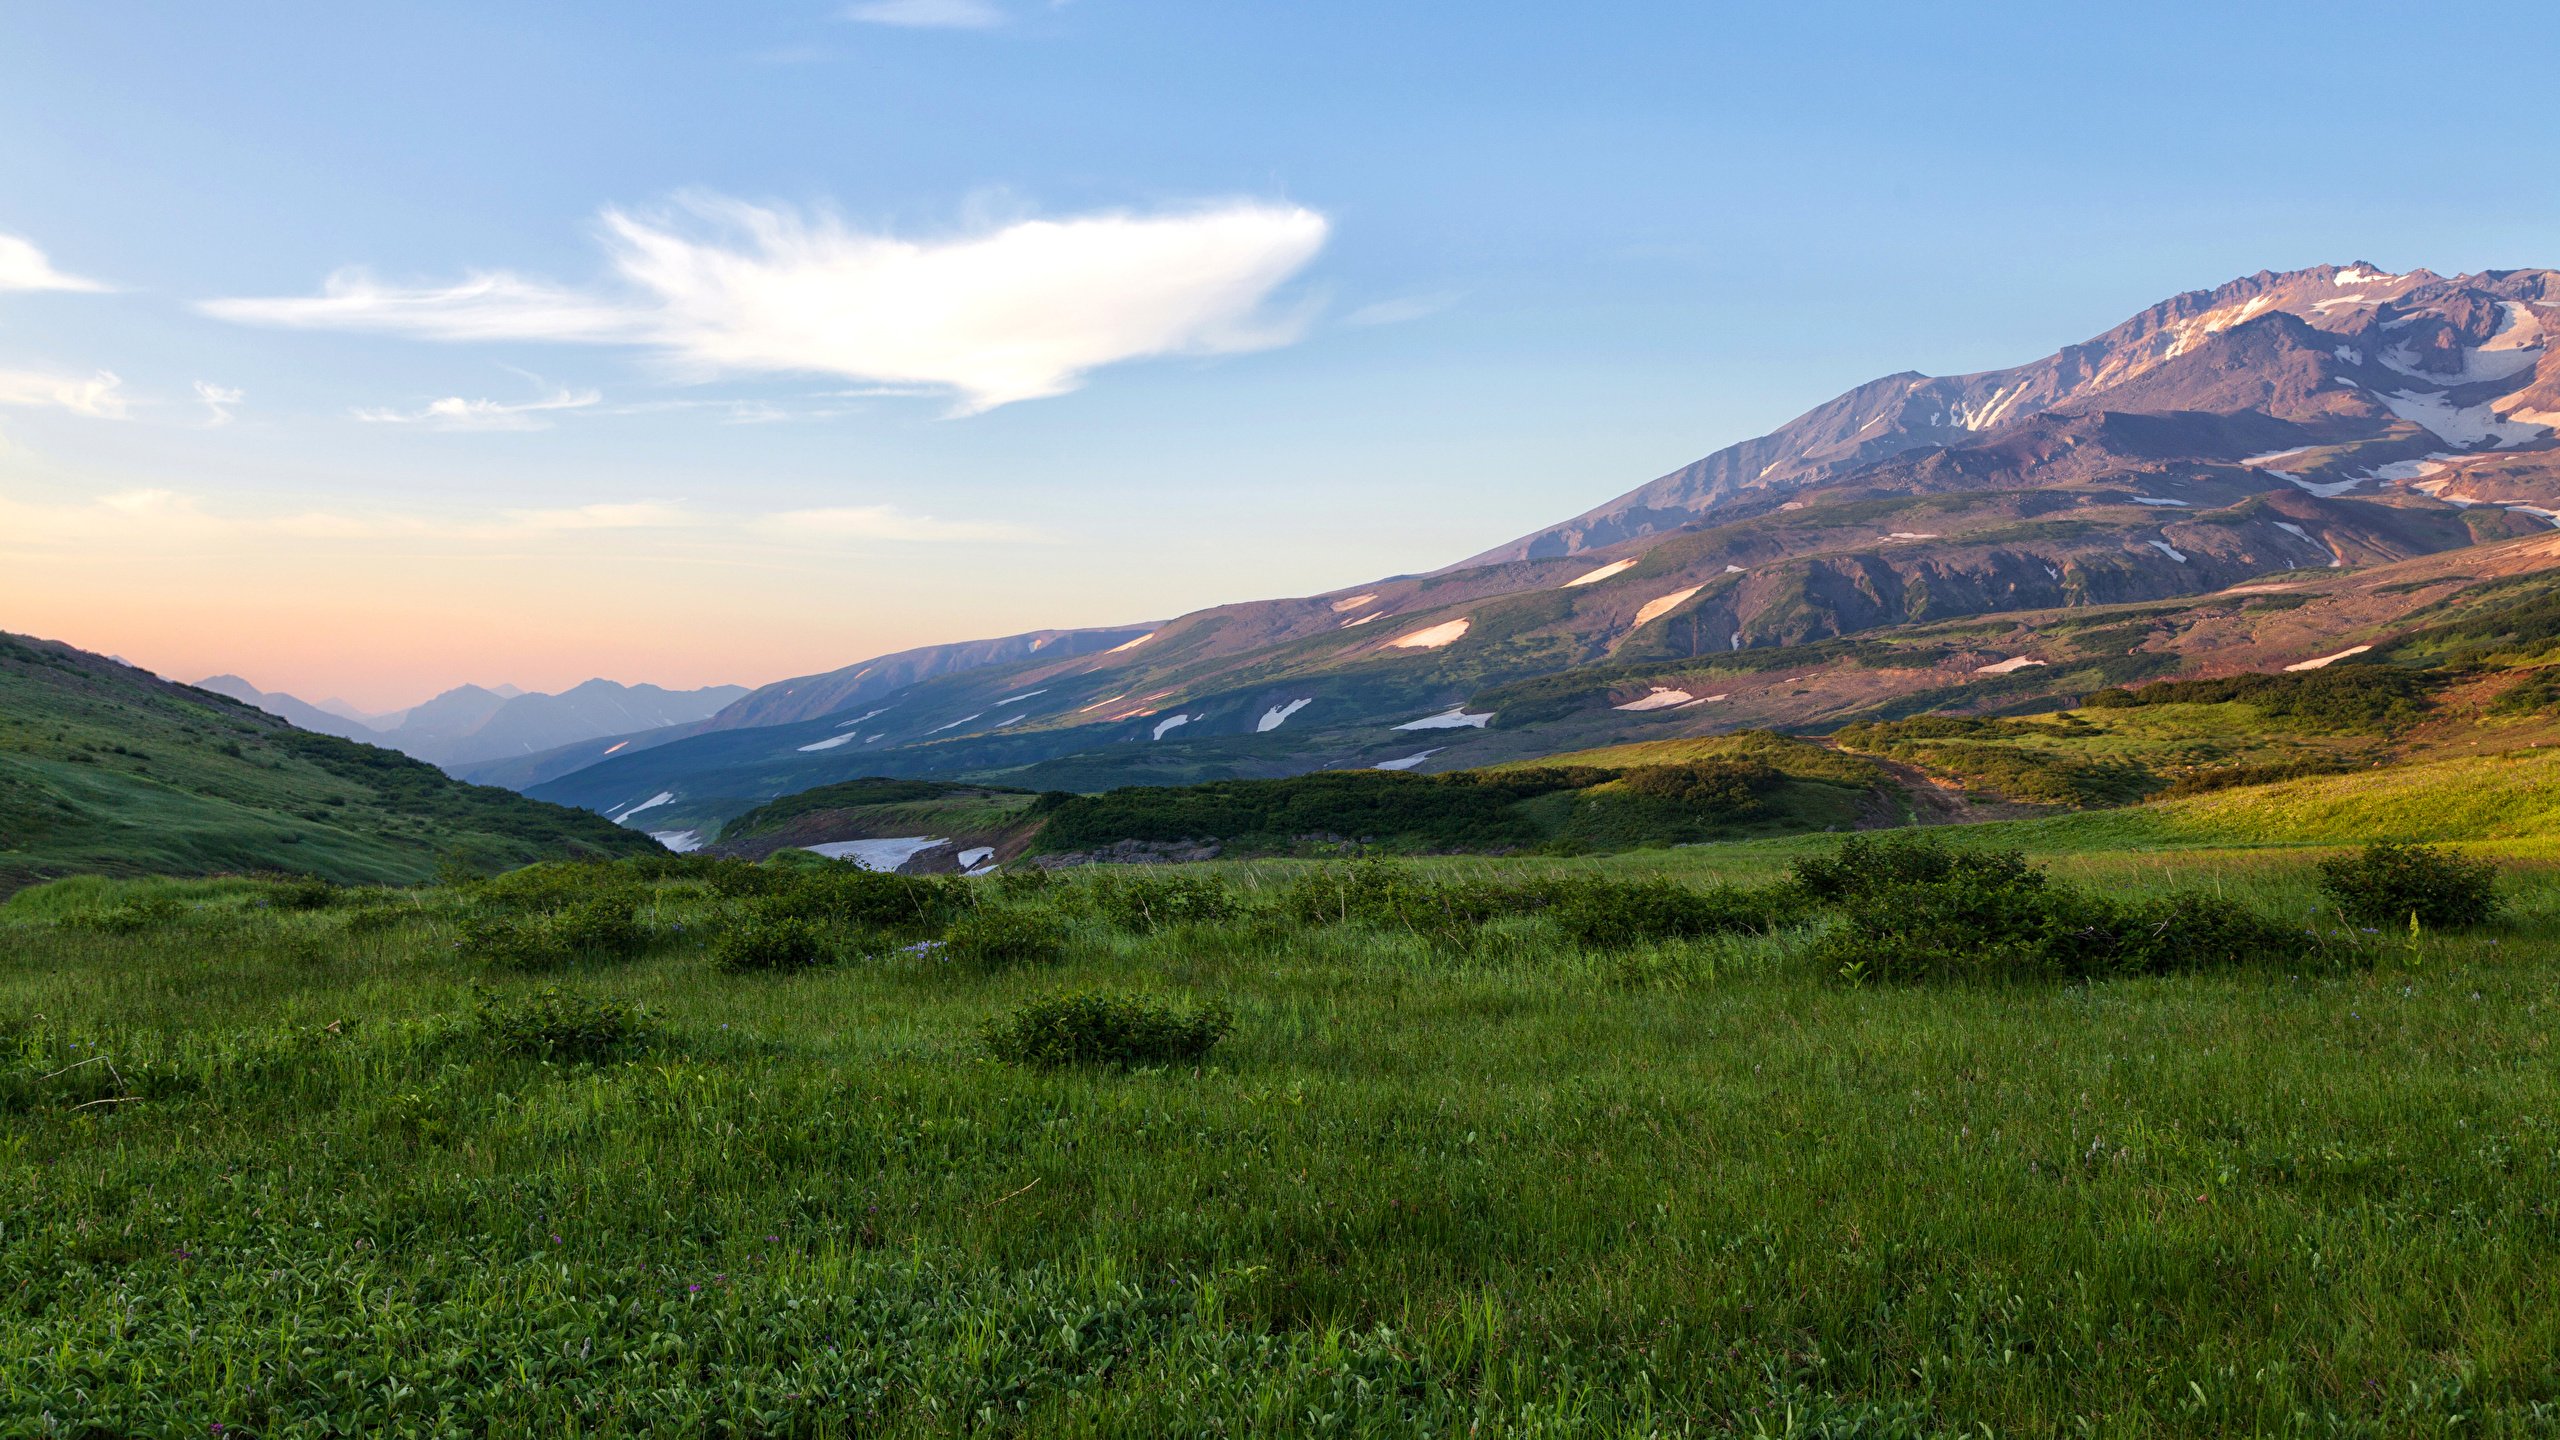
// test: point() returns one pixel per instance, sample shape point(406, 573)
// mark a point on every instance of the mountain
point(2283, 435)
point(316, 718)
point(470, 725)
point(108, 769)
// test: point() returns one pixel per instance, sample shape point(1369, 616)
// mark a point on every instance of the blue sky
point(1349, 289)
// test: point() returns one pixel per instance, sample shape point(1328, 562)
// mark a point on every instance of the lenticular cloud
point(1014, 313)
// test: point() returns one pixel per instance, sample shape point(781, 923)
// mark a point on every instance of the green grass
point(279, 1170)
point(104, 769)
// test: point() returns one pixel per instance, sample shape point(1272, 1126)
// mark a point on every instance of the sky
point(368, 350)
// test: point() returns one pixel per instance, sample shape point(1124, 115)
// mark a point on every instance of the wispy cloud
point(880, 522)
point(24, 267)
point(629, 515)
point(218, 400)
point(1402, 308)
point(97, 396)
point(456, 413)
point(928, 14)
point(1014, 313)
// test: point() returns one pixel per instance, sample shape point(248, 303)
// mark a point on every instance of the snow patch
point(2478, 364)
point(1170, 722)
point(1733, 569)
point(2350, 354)
point(1025, 695)
point(1407, 762)
point(2172, 551)
point(2273, 456)
point(652, 803)
point(877, 854)
point(1278, 715)
point(1911, 535)
point(1432, 637)
point(954, 725)
point(1130, 645)
point(2325, 489)
point(683, 842)
point(1655, 609)
point(1662, 698)
point(2326, 661)
point(2323, 307)
point(2007, 667)
point(2358, 275)
point(2152, 500)
point(1365, 619)
point(829, 743)
point(2459, 424)
point(1453, 718)
point(1354, 603)
point(865, 715)
point(1614, 567)
point(975, 856)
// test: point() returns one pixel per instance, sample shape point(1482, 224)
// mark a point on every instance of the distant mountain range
point(471, 725)
point(2222, 481)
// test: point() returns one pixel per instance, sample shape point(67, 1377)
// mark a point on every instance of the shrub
point(1146, 903)
point(774, 943)
point(2394, 884)
point(995, 939)
point(1864, 864)
point(2357, 697)
point(1979, 926)
point(1394, 897)
point(1731, 786)
point(849, 896)
point(1614, 914)
point(1101, 1028)
point(600, 928)
point(145, 912)
point(556, 1024)
point(302, 892)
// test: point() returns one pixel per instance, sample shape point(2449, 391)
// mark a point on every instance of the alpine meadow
point(2023, 900)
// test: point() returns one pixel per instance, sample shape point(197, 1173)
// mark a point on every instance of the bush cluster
point(2388, 884)
point(2360, 697)
point(599, 927)
point(556, 1024)
point(1731, 786)
point(1145, 903)
point(1106, 1028)
point(1909, 908)
point(772, 943)
point(997, 938)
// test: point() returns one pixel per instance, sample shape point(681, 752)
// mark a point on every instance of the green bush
point(1145, 903)
point(1984, 925)
point(602, 927)
point(302, 892)
point(772, 943)
point(1729, 786)
point(556, 1024)
point(1101, 1028)
point(133, 917)
point(1614, 914)
point(1866, 863)
point(2393, 884)
point(996, 939)
point(847, 895)
point(1388, 896)
point(2357, 697)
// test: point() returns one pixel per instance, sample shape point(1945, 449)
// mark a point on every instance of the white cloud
point(218, 399)
point(23, 267)
point(455, 413)
point(928, 14)
point(96, 396)
point(631, 515)
point(880, 522)
point(1014, 313)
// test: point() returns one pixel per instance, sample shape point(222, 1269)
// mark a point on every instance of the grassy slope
point(1523, 1191)
point(106, 769)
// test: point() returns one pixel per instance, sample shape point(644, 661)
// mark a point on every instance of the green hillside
point(105, 769)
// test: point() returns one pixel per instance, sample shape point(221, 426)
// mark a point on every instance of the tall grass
point(277, 1169)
